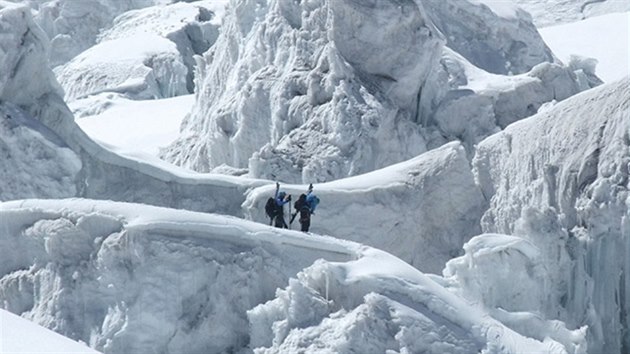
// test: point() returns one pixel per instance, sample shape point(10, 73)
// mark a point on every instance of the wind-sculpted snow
point(378, 304)
point(131, 278)
point(143, 66)
point(310, 90)
point(422, 210)
point(578, 166)
point(496, 40)
point(189, 25)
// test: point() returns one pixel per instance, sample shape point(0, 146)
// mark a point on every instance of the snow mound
point(578, 168)
point(493, 35)
point(142, 66)
point(310, 90)
point(422, 210)
point(189, 25)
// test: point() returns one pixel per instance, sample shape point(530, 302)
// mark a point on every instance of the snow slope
point(18, 336)
point(549, 13)
point(605, 38)
point(130, 125)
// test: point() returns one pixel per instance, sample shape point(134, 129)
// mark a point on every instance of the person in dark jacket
point(306, 206)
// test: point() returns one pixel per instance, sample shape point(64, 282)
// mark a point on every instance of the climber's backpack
point(270, 207)
point(300, 202)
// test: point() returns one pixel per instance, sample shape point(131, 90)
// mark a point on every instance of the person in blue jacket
point(281, 199)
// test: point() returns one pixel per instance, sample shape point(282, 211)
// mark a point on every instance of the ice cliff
point(320, 90)
point(573, 184)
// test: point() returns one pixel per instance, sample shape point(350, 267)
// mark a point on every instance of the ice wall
point(579, 168)
point(310, 91)
point(128, 278)
point(422, 210)
point(499, 38)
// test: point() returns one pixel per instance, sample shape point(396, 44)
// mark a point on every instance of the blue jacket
point(280, 199)
point(312, 201)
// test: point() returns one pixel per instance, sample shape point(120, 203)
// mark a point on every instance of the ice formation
point(133, 278)
point(309, 91)
point(575, 177)
point(320, 90)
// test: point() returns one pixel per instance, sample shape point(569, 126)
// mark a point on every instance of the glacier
point(512, 239)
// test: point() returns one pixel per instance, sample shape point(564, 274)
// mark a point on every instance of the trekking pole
point(289, 226)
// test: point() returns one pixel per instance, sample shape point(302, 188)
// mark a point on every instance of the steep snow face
point(578, 167)
point(380, 304)
point(497, 37)
point(137, 279)
point(422, 210)
point(310, 90)
point(191, 26)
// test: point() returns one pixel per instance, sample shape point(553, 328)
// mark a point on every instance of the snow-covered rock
point(191, 26)
point(142, 66)
point(310, 90)
point(572, 157)
point(422, 210)
point(496, 36)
